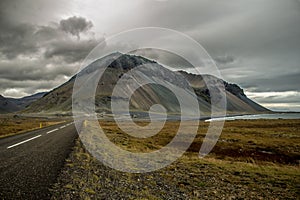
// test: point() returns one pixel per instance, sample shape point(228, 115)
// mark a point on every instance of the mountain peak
point(117, 61)
point(127, 61)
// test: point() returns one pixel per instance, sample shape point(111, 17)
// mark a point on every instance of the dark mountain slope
point(9, 105)
point(25, 101)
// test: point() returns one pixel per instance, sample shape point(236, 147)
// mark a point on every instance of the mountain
point(9, 105)
point(60, 99)
point(25, 101)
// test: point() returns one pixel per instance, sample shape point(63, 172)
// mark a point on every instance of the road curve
point(31, 162)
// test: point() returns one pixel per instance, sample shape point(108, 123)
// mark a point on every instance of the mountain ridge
point(60, 98)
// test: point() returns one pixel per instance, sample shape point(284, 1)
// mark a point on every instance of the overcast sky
point(256, 43)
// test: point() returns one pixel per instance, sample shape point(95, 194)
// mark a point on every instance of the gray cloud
point(283, 82)
point(44, 46)
point(25, 70)
point(75, 25)
point(24, 87)
point(184, 15)
point(280, 99)
point(255, 43)
point(28, 39)
point(71, 51)
point(33, 75)
point(17, 39)
point(49, 33)
point(39, 57)
point(224, 60)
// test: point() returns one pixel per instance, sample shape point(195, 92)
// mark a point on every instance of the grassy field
point(277, 141)
point(16, 124)
point(253, 159)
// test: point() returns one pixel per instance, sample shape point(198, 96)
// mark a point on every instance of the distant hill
point(9, 105)
point(60, 99)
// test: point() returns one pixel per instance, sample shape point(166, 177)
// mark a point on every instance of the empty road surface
point(31, 162)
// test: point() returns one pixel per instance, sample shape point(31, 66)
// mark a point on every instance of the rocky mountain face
point(60, 99)
point(237, 101)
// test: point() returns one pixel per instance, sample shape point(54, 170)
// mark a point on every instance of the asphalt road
point(31, 162)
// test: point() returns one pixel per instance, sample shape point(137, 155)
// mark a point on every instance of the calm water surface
point(261, 116)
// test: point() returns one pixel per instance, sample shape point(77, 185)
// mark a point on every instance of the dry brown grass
point(241, 140)
point(10, 125)
point(125, 141)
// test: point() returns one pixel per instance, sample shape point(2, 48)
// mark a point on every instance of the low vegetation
point(253, 159)
point(16, 124)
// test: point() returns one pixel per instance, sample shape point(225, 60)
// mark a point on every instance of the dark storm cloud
point(27, 39)
point(75, 25)
point(17, 35)
point(17, 39)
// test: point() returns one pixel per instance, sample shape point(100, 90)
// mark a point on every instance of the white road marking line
point(24, 141)
point(52, 131)
point(62, 127)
